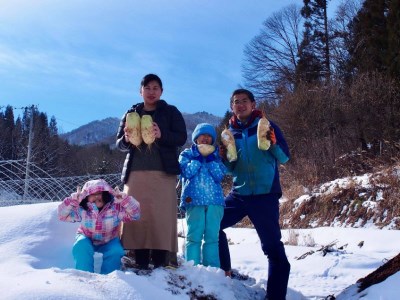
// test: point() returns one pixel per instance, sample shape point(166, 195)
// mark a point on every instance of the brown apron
point(157, 226)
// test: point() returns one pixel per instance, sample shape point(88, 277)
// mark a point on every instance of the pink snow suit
point(99, 226)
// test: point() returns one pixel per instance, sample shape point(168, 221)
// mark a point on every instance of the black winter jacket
point(173, 135)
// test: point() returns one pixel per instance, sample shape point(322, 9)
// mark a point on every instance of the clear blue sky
point(82, 60)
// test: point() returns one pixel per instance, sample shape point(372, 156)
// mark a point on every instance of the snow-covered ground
point(36, 263)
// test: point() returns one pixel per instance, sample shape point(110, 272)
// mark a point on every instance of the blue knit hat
point(204, 128)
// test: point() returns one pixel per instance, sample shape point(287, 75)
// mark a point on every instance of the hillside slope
point(356, 201)
point(104, 131)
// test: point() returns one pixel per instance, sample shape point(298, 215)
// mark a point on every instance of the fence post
point(28, 157)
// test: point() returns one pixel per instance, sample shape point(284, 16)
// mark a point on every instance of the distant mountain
point(192, 120)
point(95, 132)
point(104, 131)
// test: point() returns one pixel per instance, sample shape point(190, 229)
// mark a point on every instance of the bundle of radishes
point(140, 128)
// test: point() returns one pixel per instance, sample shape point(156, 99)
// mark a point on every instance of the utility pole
point(28, 157)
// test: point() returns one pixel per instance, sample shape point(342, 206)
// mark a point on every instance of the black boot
point(159, 258)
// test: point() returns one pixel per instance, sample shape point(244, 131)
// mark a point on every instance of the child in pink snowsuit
point(100, 209)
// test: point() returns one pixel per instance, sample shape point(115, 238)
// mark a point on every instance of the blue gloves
point(196, 154)
point(210, 157)
point(198, 158)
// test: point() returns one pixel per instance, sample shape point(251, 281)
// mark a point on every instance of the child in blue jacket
point(202, 196)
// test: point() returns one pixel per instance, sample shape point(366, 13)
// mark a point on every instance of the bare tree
point(270, 58)
point(341, 37)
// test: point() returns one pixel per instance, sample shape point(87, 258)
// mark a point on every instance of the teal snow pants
point(83, 252)
point(203, 223)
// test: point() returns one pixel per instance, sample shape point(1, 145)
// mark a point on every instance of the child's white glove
point(119, 196)
point(77, 196)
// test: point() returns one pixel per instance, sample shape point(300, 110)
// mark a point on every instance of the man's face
point(242, 106)
point(151, 93)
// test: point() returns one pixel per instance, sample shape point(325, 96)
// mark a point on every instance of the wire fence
point(17, 186)
point(22, 185)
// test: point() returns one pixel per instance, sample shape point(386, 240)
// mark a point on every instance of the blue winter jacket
point(201, 180)
point(256, 171)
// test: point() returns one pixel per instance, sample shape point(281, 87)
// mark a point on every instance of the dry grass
point(352, 205)
point(245, 223)
point(294, 190)
point(293, 238)
point(309, 241)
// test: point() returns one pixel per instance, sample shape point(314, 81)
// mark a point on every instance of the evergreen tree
point(54, 145)
point(393, 27)
point(369, 46)
point(308, 67)
point(314, 55)
point(53, 127)
point(225, 120)
point(19, 149)
point(41, 142)
point(6, 133)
